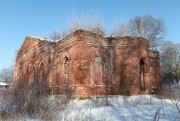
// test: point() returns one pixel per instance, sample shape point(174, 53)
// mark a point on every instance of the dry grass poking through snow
point(32, 105)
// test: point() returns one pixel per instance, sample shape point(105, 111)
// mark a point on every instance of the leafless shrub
point(174, 99)
point(32, 101)
point(156, 117)
point(101, 101)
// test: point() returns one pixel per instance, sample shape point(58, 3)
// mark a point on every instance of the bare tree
point(86, 22)
point(57, 35)
point(89, 22)
point(119, 29)
point(153, 29)
point(7, 75)
point(170, 61)
point(148, 27)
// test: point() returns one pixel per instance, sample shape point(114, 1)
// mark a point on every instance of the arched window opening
point(66, 64)
point(142, 71)
point(66, 68)
point(32, 77)
point(41, 72)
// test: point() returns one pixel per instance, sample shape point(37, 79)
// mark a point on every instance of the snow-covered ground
point(123, 108)
point(115, 108)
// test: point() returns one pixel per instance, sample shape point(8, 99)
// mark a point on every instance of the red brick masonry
point(91, 64)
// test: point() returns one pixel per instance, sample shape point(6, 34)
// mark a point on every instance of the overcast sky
point(19, 18)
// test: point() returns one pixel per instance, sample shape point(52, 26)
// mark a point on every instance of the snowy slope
point(141, 108)
point(114, 108)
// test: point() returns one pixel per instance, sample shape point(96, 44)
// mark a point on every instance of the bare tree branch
point(153, 29)
point(7, 75)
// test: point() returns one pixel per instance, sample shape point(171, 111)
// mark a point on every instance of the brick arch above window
point(41, 71)
point(65, 55)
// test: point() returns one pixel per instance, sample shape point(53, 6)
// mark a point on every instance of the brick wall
point(87, 63)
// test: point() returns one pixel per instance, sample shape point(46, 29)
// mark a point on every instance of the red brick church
point(90, 64)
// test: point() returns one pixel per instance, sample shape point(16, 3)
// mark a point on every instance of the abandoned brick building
point(90, 64)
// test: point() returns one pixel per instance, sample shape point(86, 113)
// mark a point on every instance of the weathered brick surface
point(87, 63)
